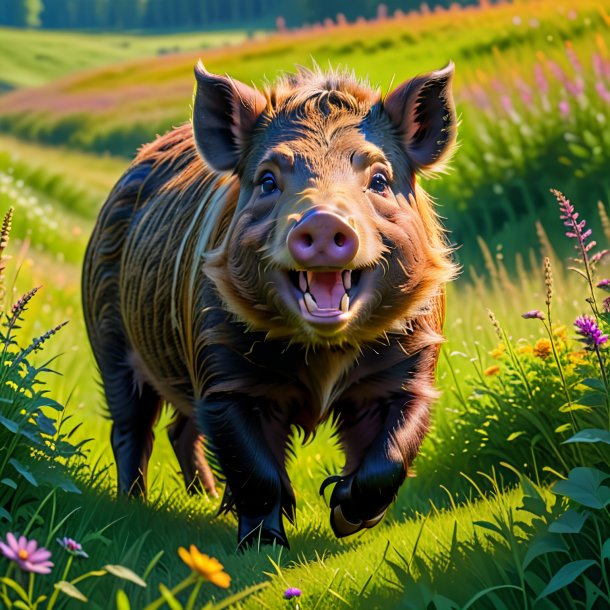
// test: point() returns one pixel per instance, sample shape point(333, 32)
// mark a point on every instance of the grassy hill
point(532, 89)
point(456, 537)
point(29, 58)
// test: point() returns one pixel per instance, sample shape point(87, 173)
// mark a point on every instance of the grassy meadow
point(484, 523)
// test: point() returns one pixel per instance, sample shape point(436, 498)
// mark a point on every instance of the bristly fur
point(181, 303)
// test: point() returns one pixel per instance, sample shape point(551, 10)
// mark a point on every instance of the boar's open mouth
point(326, 296)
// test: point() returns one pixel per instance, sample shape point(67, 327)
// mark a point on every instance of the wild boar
point(274, 263)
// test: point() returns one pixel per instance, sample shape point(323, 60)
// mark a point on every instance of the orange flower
point(209, 568)
point(498, 351)
point(543, 349)
point(524, 349)
point(494, 369)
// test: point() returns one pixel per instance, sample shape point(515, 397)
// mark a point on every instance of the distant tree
point(57, 14)
point(14, 12)
point(123, 14)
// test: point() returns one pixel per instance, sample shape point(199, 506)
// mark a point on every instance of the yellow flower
point(207, 567)
point(499, 351)
point(543, 349)
point(578, 357)
point(494, 369)
point(524, 349)
point(561, 332)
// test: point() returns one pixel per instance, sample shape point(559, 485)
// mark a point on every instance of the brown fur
point(191, 268)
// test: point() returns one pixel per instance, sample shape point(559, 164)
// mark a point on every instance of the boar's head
point(331, 241)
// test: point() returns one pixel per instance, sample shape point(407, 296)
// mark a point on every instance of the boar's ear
point(224, 113)
point(422, 110)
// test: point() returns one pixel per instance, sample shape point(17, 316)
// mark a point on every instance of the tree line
point(185, 14)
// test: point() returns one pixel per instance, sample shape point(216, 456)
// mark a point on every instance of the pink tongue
point(327, 289)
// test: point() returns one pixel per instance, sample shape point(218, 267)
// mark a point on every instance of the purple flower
point(292, 592)
point(590, 332)
point(564, 108)
point(577, 228)
point(533, 314)
point(73, 547)
point(26, 554)
point(604, 285)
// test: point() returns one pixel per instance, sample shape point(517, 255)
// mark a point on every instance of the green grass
point(429, 541)
point(29, 58)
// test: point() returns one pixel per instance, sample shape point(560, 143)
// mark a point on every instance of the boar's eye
point(379, 183)
point(267, 184)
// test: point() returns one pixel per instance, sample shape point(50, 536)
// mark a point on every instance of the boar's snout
point(322, 239)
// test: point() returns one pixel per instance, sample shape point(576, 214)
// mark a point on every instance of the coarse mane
point(320, 90)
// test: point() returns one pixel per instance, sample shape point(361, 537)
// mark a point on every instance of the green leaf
point(514, 435)
point(70, 590)
point(46, 424)
point(566, 575)
point(9, 424)
point(570, 522)
point(4, 514)
point(584, 485)
point(605, 554)
point(125, 574)
point(489, 526)
point(594, 384)
point(548, 543)
point(21, 605)
point(9, 483)
point(591, 399)
point(24, 471)
point(170, 600)
point(590, 435)
point(122, 601)
point(9, 582)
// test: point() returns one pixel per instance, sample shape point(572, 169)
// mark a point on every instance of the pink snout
point(322, 239)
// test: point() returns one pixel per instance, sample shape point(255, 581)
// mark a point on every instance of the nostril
point(340, 239)
point(307, 240)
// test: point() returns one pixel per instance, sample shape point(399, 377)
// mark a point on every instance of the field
point(484, 523)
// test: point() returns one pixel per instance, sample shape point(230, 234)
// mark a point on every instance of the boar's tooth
point(344, 303)
point(309, 277)
point(347, 279)
point(310, 302)
point(302, 281)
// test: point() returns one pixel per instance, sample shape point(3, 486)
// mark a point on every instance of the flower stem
point(64, 576)
point(187, 582)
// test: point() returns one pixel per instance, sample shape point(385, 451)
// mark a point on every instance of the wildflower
point(604, 285)
point(209, 568)
point(533, 314)
point(543, 349)
point(590, 332)
point(494, 369)
point(606, 305)
point(524, 349)
point(561, 332)
point(570, 220)
point(73, 547)
point(564, 108)
point(498, 351)
point(292, 592)
point(26, 554)
point(577, 357)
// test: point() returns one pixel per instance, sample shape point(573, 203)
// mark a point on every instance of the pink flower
point(73, 547)
point(533, 314)
point(26, 554)
point(564, 108)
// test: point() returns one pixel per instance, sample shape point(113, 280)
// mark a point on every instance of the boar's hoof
point(254, 533)
point(345, 519)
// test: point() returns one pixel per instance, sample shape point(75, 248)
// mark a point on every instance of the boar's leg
point(257, 480)
point(380, 443)
point(134, 411)
point(188, 447)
